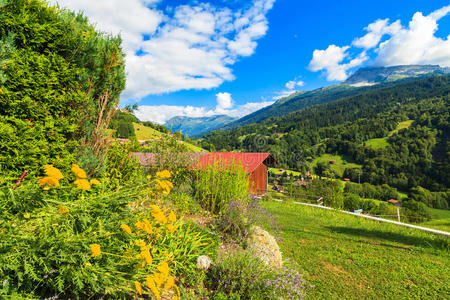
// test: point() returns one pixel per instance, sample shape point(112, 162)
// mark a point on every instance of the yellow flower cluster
point(163, 174)
point(96, 251)
point(62, 210)
point(53, 176)
point(145, 253)
point(161, 281)
point(145, 225)
point(164, 186)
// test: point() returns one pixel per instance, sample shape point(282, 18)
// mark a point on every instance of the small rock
point(203, 262)
point(265, 247)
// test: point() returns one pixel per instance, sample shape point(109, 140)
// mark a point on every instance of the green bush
point(48, 250)
point(240, 275)
point(217, 185)
point(60, 83)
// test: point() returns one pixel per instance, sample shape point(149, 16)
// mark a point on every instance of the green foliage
point(367, 190)
point(46, 251)
point(60, 83)
point(217, 185)
point(416, 211)
point(121, 167)
point(240, 275)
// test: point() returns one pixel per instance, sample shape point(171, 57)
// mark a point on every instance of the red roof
point(250, 161)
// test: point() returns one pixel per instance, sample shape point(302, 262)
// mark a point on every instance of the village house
point(255, 164)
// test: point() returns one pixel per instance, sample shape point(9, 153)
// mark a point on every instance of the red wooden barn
point(254, 163)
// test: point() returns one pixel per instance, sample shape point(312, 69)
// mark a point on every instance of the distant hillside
point(365, 79)
point(197, 126)
point(382, 74)
point(400, 135)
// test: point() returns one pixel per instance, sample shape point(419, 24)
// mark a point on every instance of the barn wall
point(258, 180)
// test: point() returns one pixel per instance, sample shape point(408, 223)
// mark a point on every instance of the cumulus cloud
point(292, 84)
point(331, 60)
point(414, 44)
point(224, 101)
point(162, 113)
point(186, 47)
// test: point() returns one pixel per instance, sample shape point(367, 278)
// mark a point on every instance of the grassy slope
point(346, 257)
point(440, 219)
point(381, 143)
point(340, 165)
point(146, 133)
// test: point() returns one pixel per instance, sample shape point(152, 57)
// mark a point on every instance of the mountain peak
point(374, 75)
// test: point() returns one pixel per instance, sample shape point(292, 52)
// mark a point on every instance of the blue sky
point(198, 58)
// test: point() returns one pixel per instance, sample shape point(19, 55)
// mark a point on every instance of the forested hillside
point(364, 80)
point(418, 155)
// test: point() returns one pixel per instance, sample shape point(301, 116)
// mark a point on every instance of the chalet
point(255, 164)
point(332, 161)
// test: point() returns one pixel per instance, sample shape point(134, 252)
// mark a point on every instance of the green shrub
point(49, 251)
point(240, 275)
point(121, 168)
point(218, 185)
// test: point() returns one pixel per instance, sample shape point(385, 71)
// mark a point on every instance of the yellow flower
point(169, 283)
point(138, 286)
point(145, 254)
point(171, 228)
point(126, 228)
point(50, 181)
point(51, 171)
point(159, 279)
point(144, 225)
point(164, 269)
point(79, 172)
point(158, 214)
point(82, 184)
point(62, 210)
point(152, 286)
point(172, 217)
point(95, 181)
point(96, 251)
point(163, 174)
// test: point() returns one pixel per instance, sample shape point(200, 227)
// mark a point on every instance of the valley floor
point(346, 257)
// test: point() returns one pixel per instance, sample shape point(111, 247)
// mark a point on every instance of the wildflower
point(164, 186)
point(96, 251)
point(138, 286)
point(79, 172)
point(171, 228)
point(172, 217)
point(169, 283)
point(144, 225)
point(158, 214)
point(82, 184)
point(145, 254)
point(62, 210)
point(164, 268)
point(50, 181)
point(126, 228)
point(95, 182)
point(53, 172)
point(152, 286)
point(163, 174)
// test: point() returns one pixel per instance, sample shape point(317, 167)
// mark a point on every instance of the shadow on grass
point(441, 243)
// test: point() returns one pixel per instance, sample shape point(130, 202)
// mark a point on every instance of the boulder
point(265, 247)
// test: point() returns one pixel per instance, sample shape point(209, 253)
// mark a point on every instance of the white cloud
point(292, 84)
point(376, 31)
point(224, 101)
point(331, 60)
point(190, 47)
point(225, 106)
point(415, 44)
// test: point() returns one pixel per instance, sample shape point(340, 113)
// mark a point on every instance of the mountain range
point(197, 126)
